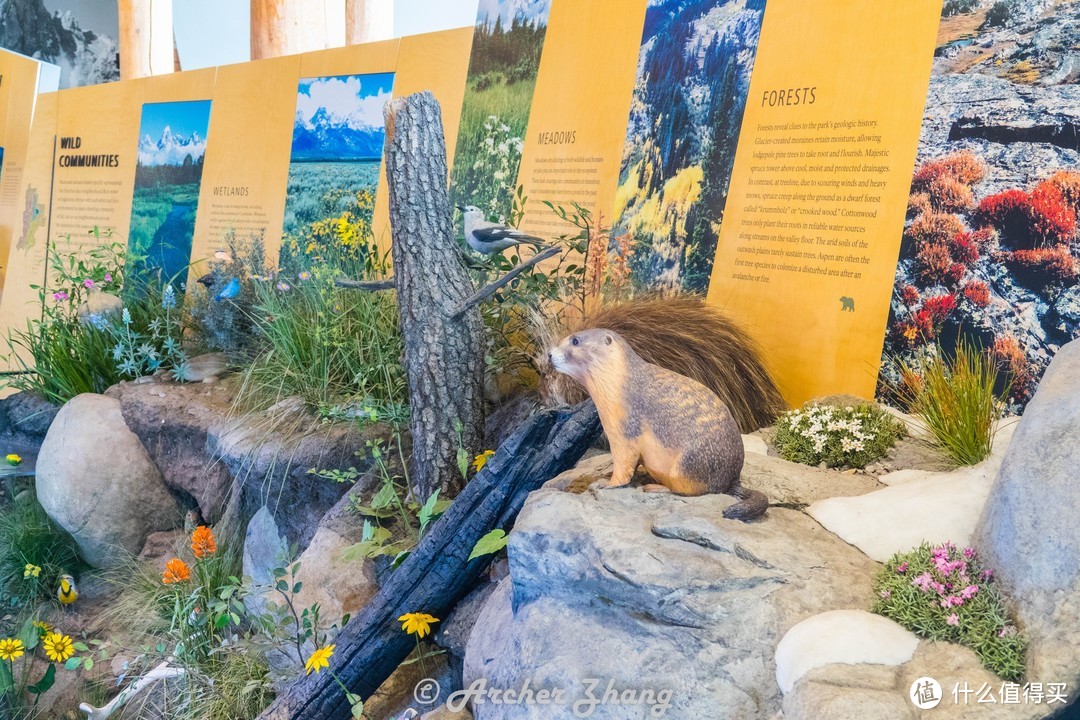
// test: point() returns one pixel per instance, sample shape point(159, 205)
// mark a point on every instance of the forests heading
point(789, 97)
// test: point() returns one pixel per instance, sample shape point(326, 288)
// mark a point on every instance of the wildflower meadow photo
point(337, 147)
point(507, 43)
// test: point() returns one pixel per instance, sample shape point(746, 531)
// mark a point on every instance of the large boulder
point(660, 592)
point(1027, 532)
point(96, 480)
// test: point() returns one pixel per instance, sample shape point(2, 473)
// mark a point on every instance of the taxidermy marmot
point(685, 336)
point(678, 428)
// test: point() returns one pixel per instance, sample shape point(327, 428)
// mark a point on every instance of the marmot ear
point(608, 339)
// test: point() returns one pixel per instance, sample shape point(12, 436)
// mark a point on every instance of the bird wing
point(498, 233)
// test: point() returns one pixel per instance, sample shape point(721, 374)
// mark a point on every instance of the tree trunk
point(444, 354)
point(438, 573)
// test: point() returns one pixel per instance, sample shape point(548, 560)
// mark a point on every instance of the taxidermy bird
point(231, 290)
point(488, 237)
point(66, 592)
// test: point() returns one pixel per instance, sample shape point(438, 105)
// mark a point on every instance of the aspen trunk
point(444, 351)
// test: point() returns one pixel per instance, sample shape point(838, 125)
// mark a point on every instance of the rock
point(269, 457)
point(202, 369)
point(1027, 532)
point(100, 308)
point(938, 508)
point(855, 692)
point(339, 587)
point(655, 591)
point(397, 694)
point(444, 713)
point(28, 414)
point(96, 480)
point(784, 482)
point(160, 547)
point(851, 637)
point(755, 444)
point(173, 422)
point(264, 550)
point(454, 632)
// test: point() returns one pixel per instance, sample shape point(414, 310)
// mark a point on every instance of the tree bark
point(444, 354)
point(438, 573)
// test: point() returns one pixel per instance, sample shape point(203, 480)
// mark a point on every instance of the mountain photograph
point(79, 37)
point(168, 175)
point(337, 145)
point(693, 75)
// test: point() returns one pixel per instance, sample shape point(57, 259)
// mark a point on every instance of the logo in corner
point(925, 693)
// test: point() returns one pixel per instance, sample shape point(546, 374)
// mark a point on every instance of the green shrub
point(849, 436)
point(330, 346)
point(942, 593)
point(957, 400)
point(59, 355)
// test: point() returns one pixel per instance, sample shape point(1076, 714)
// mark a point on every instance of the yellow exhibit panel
point(808, 246)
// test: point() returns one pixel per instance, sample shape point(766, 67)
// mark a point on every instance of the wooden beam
point(368, 21)
point(287, 27)
point(146, 38)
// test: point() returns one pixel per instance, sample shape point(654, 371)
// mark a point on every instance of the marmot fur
point(678, 428)
point(683, 335)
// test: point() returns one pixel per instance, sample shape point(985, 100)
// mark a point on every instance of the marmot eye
point(573, 341)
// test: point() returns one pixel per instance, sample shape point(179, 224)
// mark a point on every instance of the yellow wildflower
point(58, 647)
point(14, 459)
point(418, 624)
point(31, 571)
point(319, 659)
point(481, 460)
point(43, 628)
point(11, 649)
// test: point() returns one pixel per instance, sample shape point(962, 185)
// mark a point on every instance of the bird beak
point(460, 207)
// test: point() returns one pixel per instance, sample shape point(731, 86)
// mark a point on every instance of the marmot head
point(588, 351)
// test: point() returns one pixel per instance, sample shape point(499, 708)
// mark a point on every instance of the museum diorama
point(700, 359)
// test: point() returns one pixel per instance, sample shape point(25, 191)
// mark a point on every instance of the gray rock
point(28, 414)
point(264, 550)
point(100, 308)
point(1027, 532)
point(656, 592)
point(96, 480)
point(201, 368)
point(173, 422)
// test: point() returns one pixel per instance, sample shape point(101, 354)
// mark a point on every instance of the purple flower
point(108, 277)
point(952, 620)
point(952, 601)
point(902, 567)
point(969, 592)
point(986, 574)
point(88, 283)
point(922, 581)
point(282, 286)
point(60, 296)
point(886, 594)
point(969, 553)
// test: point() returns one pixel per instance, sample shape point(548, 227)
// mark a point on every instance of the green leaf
point(493, 542)
point(81, 647)
point(73, 663)
point(427, 512)
point(46, 681)
point(297, 587)
point(463, 462)
point(357, 705)
point(386, 495)
point(282, 586)
point(7, 682)
point(88, 663)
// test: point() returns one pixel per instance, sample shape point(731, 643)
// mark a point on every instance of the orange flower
point(176, 571)
point(202, 542)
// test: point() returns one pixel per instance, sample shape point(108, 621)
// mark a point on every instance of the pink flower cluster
point(949, 578)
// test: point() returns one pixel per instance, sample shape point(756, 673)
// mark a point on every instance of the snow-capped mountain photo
point(340, 118)
point(529, 12)
point(171, 148)
point(77, 36)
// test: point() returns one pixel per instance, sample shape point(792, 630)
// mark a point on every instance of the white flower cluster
point(823, 425)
